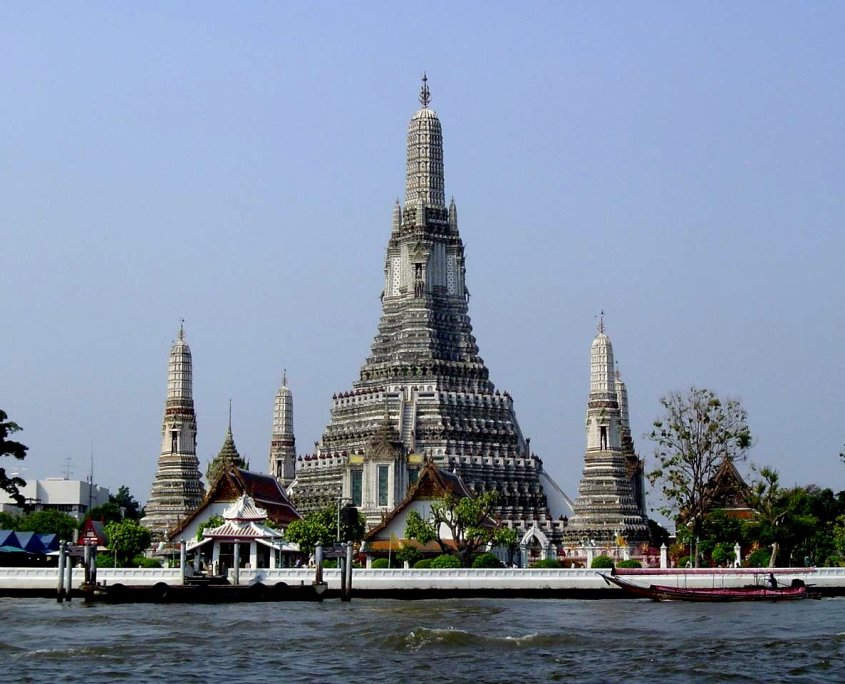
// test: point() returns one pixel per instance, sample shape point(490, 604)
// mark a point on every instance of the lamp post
point(340, 500)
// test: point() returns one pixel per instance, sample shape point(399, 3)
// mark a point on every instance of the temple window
point(603, 437)
point(355, 488)
point(382, 485)
point(174, 442)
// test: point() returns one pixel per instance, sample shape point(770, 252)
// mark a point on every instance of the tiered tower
point(177, 488)
point(424, 391)
point(282, 442)
point(607, 506)
point(227, 456)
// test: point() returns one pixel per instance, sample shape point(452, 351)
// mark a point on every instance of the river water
point(456, 640)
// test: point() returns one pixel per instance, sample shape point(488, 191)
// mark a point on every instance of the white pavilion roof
point(244, 509)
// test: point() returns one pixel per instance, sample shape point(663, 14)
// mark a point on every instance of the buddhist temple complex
point(177, 489)
point(227, 456)
point(611, 505)
point(424, 393)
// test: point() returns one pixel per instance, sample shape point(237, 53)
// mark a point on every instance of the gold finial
point(425, 93)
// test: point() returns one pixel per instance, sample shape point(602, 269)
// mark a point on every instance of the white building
point(74, 497)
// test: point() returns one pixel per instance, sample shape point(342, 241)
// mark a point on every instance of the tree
point(8, 447)
point(321, 527)
point(127, 539)
point(104, 513)
point(469, 521)
point(697, 432)
point(49, 522)
point(768, 503)
point(213, 521)
point(125, 500)
point(9, 521)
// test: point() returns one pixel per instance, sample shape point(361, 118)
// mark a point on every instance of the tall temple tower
point(282, 442)
point(177, 489)
point(424, 392)
point(607, 505)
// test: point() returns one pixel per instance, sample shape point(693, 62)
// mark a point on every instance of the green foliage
point(144, 562)
point(630, 563)
point(127, 539)
point(422, 564)
point(834, 562)
point(380, 564)
point(468, 520)
point(330, 563)
point(106, 560)
point(685, 562)
point(602, 562)
point(104, 513)
point(11, 484)
point(407, 554)
point(446, 560)
point(49, 522)
point(123, 499)
point(695, 434)
point(320, 527)
point(9, 521)
point(211, 523)
point(758, 559)
point(723, 553)
point(486, 560)
point(549, 563)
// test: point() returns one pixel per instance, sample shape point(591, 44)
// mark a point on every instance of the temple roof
point(265, 491)
point(432, 483)
point(244, 509)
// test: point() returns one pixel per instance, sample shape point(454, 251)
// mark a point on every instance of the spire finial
point(601, 322)
point(285, 377)
point(425, 93)
point(181, 329)
point(230, 415)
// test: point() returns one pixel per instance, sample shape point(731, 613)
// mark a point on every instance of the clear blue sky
point(679, 166)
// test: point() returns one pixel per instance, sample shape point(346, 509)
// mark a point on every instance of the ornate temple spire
point(227, 456)
point(282, 442)
point(177, 488)
point(609, 503)
point(397, 216)
point(602, 373)
point(424, 184)
point(622, 398)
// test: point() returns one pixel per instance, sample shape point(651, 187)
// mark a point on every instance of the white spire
point(179, 369)
point(602, 375)
point(424, 177)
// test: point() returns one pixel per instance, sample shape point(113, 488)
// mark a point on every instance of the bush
point(631, 563)
point(723, 553)
point(834, 562)
point(409, 554)
point(758, 559)
point(685, 562)
point(144, 562)
point(446, 561)
point(547, 563)
point(602, 562)
point(486, 560)
point(331, 563)
point(380, 564)
point(422, 564)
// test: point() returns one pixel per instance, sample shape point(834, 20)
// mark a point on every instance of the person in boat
point(773, 583)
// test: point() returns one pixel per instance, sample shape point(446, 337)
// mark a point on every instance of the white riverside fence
point(453, 578)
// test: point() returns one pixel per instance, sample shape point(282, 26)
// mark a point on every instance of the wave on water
point(425, 637)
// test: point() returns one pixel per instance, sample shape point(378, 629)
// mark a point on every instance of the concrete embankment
point(288, 584)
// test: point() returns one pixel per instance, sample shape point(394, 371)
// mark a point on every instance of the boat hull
point(659, 592)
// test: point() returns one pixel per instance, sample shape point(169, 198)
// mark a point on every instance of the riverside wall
point(411, 583)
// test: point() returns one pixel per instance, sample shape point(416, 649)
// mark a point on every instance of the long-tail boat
point(657, 592)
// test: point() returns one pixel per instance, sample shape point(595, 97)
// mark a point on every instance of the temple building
point(610, 506)
point(282, 442)
point(424, 393)
point(177, 489)
point(227, 456)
